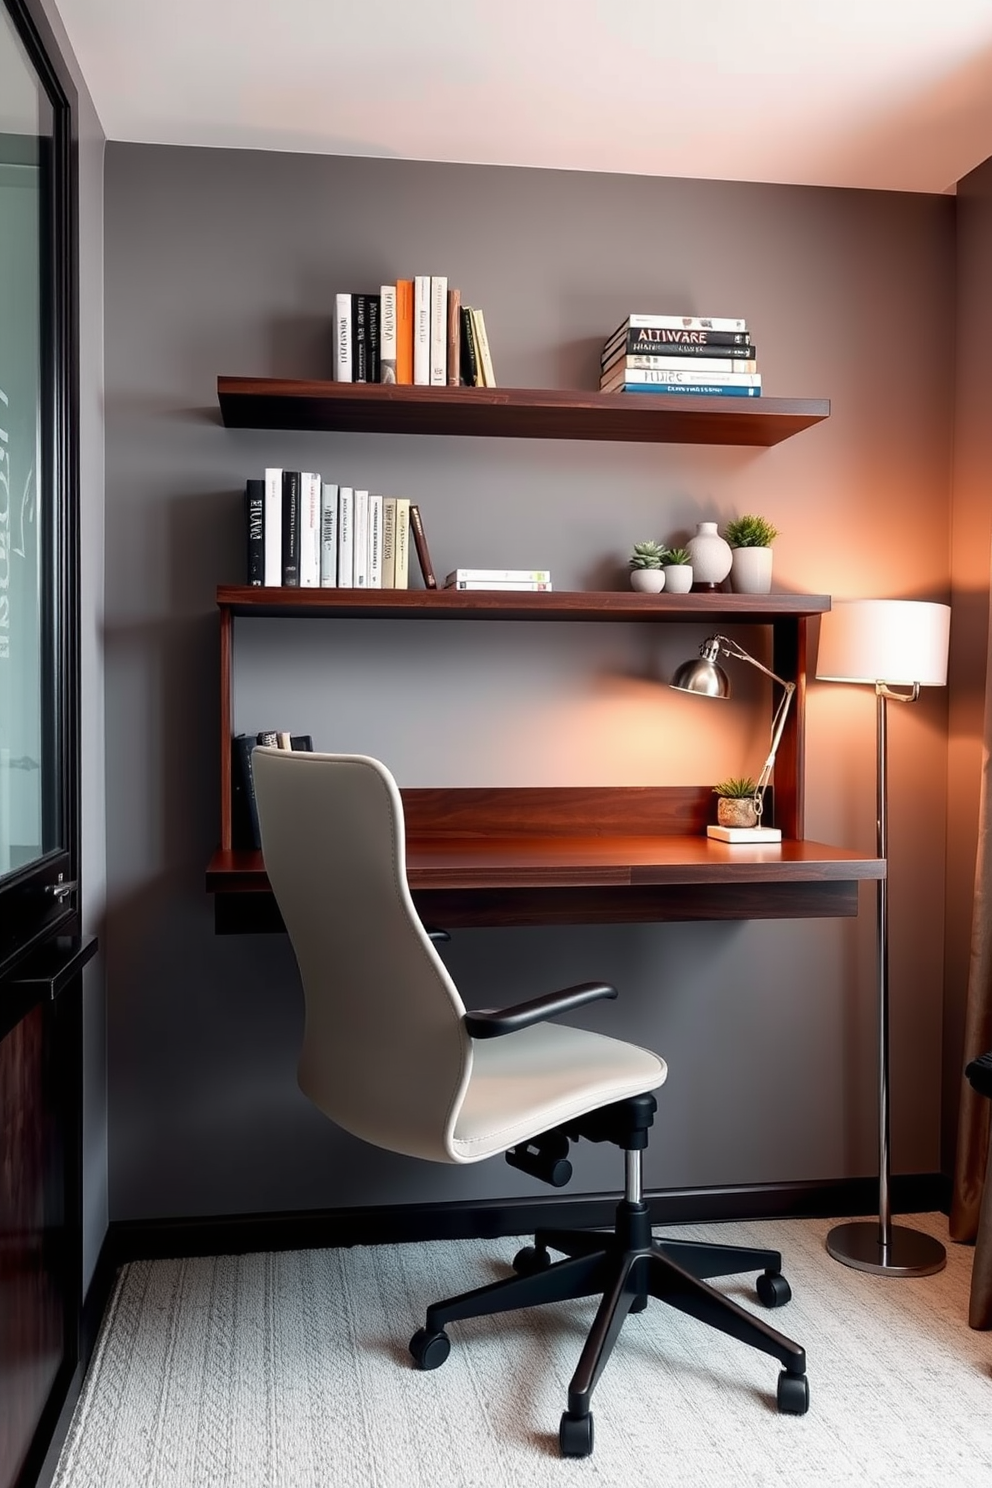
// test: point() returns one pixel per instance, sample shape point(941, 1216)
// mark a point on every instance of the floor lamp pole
point(866, 1245)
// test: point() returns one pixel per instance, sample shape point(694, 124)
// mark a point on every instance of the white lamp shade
point(899, 641)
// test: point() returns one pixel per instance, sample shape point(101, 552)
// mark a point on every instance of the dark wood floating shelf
point(513, 413)
point(452, 604)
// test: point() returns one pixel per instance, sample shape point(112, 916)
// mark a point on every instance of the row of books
point(414, 331)
point(244, 811)
point(308, 533)
point(680, 354)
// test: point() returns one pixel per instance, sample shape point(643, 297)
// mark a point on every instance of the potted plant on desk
point(735, 802)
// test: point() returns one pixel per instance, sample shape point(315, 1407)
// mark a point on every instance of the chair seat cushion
point(528, 1082)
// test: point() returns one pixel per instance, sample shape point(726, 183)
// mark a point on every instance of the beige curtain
point(971, 1204)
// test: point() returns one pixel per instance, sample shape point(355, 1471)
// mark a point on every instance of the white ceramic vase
point(711, 556)
point(647, 580)
point(678, 578)
point(751, 571)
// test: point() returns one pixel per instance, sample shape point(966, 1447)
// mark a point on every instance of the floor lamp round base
point(909, 1253)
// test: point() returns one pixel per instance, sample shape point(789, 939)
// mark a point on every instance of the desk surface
point(570, 878)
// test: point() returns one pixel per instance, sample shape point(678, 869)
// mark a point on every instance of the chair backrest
point(385, 1052)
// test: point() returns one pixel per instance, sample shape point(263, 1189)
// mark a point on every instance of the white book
point(635, 375)
point(375, 541)
point(361, 529)
point(328, 535)
point(387, 333)
point(346, 537)
point(679, 363)
point(502, 586)
point(401, 566)
point(389, 542)
point(272, 529)
point(686, 322)
point(422, 330)
point(504, 575)
point(309, 530)
point(439, 330)
point(342, 338)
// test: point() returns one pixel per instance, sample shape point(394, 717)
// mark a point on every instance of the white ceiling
point(893, 94)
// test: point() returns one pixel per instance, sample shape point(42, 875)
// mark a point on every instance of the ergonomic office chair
point(391, 1054)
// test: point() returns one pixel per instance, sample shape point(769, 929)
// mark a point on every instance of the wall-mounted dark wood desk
point(537, 856)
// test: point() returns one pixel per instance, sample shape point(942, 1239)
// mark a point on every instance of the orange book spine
point(404, 330)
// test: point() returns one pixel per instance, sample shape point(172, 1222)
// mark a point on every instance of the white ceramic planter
point(647, 580)
point(751, 571)
point(711, 556)
point(678, 578)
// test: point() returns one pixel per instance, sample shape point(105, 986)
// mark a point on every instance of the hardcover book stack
point(681, 354)
point(308, 533)
point(416, 331)
point(244, 811)
point(533, 579)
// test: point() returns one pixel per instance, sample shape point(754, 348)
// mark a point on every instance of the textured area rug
point(291, 1370)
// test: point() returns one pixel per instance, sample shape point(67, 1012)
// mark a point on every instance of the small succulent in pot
point(647, 555)
point(677, 564)
point(735, 787)
point(735, 801)
point(750, 532)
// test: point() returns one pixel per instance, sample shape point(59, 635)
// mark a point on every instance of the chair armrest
point(494, 1022)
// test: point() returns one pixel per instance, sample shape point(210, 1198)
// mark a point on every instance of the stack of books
point(416, 331)
point(308, 533)
point(499, 578)
point(244, 811)
point(680, 354)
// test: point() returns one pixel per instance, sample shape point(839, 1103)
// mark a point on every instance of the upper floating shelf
point(513, 413)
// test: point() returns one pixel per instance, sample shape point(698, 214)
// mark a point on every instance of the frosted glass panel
point(28, 824)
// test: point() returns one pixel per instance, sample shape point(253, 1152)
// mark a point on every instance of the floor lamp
point(889, 644)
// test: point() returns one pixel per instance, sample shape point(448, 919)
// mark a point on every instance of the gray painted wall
point(227, 262)
point(92, 723)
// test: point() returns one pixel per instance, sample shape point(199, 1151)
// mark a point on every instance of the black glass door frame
point(40, 899)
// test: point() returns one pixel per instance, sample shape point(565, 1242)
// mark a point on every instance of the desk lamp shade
point(899, 641)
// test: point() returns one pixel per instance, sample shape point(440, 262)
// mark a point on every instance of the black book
point(291, 529)
point(687, 350)
point(255, 529)
point(643, 340)
point(244, 811)
point(373, 306)
point(469, 351)
point(359, 338)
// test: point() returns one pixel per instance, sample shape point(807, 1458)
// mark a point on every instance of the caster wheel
point(575, 1435)
point(429, 1350)
point(531, 1259)
point(793, 1394)
point(773, 1290)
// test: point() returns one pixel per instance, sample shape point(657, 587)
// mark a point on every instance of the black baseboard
point(236, 1234)
point(98, 1295)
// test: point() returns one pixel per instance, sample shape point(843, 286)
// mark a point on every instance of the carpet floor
point(290, 1370)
